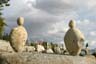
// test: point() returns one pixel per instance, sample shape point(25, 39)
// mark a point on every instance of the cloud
point(84, 21)
point(58, 27)
point(48, 19)
point(53, 6)
point(91, 3)
point(93, 33)
point(92, 44)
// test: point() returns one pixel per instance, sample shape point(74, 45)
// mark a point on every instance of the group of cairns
point(73, 38)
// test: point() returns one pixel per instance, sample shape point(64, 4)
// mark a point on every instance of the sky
point(48, 20)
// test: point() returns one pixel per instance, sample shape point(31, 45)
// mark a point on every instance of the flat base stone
point(42, 58)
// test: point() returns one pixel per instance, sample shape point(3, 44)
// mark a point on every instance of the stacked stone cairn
point(49, 48)
point(56, 49)
point(73, 39)
point(18, 36)
point(39, 47)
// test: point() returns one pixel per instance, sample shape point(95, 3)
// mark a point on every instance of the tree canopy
point(3, 3)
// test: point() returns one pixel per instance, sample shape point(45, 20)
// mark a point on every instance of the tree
point(6, 36)
point(2, 24)
point(87, 45)
point(3, 3)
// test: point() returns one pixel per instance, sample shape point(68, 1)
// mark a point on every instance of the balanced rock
point(57, 50)
point(18, 36)
point(40, 48)
point(73, 39)
point(49, 51)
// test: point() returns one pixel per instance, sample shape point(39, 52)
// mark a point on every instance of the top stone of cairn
point(20, 21)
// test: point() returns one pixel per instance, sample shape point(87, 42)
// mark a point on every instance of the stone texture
point(39, 58)
point(5, 46)
point(73, 39)
point(49, 51)
point(29, 49)
point(18, 36)
point(40, 48)
point(57, 50)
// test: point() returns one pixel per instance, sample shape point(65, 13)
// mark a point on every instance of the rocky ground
point(5, 46)
point(7, 56)
point(42, 58)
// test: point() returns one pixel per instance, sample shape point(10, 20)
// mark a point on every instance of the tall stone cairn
point(18, 36)
point(73, 39)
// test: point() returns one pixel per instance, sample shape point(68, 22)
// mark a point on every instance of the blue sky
point(48, 19)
